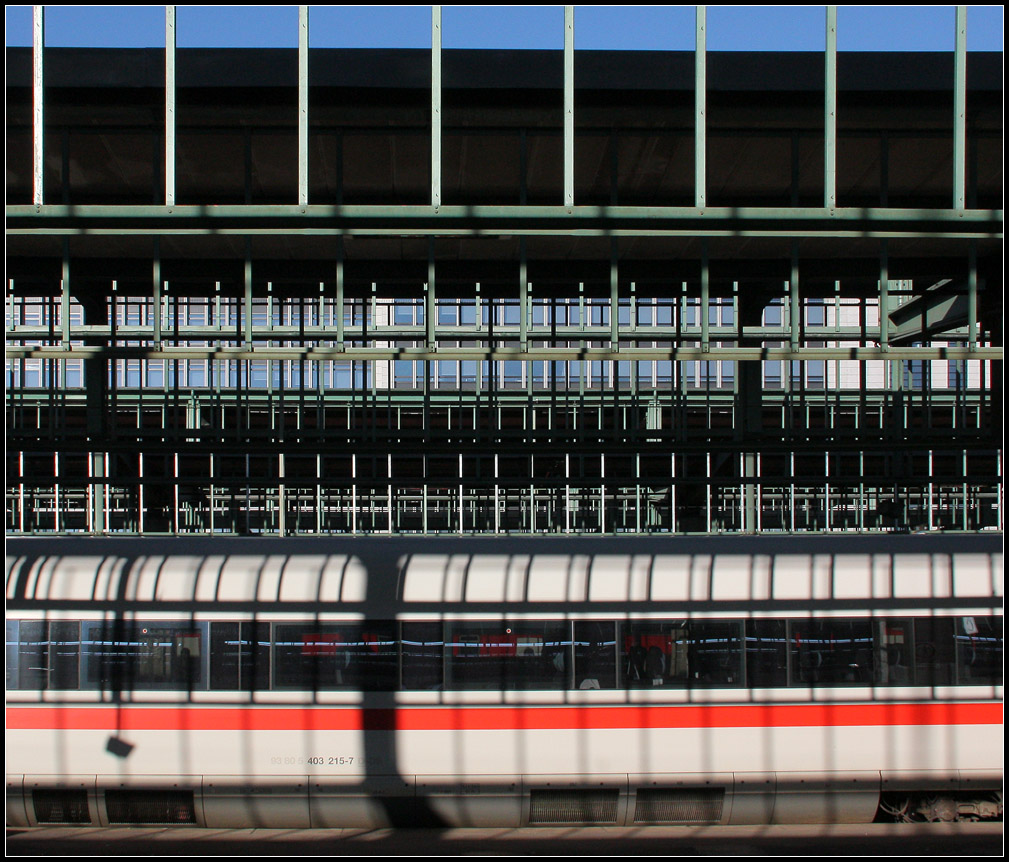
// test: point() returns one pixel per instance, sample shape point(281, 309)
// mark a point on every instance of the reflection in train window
point(894, 648)
point(47, 655)
point(240, 656)
point(422, 649)
point(979, 650)
point(320, 656)
point(595, 654)
point(831, 652)
point(766, 653)
point(934, 651)
point(124, 655)
point(698, 653)
point(506, 655)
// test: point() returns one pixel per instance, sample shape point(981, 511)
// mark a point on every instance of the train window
point(12, 655)
point(766, 653)
point(503, 655)
point(47, 655)
point(126, 655)
point(240, 656)
point(831, 652)
point(934, 651)
point(894, 649)
point(224, 656)
point(422, 651)
point(979, 650)
point(680, 653)
point(595, 655)
point(321, 656)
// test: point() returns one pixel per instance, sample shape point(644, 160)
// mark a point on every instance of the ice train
point(503, 681)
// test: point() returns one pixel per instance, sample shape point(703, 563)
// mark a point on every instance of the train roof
point(400, 575)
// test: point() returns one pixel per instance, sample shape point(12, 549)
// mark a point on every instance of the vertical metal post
point(338, 311)
point(700, 108)
point(38, 99)
point(523, 296)
point(302, 105)
point(794, 307)
point(569, 106)
point(705, 296)
point(884, 296)
point(170, 40)
point(65, 297)
point(972, 334)
point(248, 292)
point(830, 112)
point(436, 106)
point(430, 308)
point(960, 111)
point(614, 295)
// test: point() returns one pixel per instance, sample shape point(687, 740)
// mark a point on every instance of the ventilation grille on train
point(679, 805)
point(61, 806)
point(573, 806)
point(150, 806)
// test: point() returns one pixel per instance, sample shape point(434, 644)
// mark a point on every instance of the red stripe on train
point(195, 717)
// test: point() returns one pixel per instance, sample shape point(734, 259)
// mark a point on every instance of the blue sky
point(730, 28)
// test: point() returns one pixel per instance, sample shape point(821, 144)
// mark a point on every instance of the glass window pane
point(122, 656)
point(595, 655)
point(506, 656)
point(832, 652)
point(321, 656)
point(934, 653)
point(422, 649)
point(766, 653)
point(979, 650)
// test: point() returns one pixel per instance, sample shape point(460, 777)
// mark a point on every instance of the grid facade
point(315, 292)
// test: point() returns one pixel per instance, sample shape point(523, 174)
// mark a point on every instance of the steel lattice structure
point(337, 291)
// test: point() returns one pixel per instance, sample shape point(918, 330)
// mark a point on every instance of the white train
point(508, 682)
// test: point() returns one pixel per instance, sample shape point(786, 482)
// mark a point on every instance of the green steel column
point(156, 293)
point(436, 106)
point(569, 106)
point(705, 296)
point(38, 101)
point(430, 309)
point(794, 306)
point(170, 39)
point(700, 108)
point(960, 111)
point(884, 296)
point(523, 298)
point(248, 292)
point(830, 112)
point(338, 311)
point(614, 295)
point(972, 342)
point(65, 296)
point(303, 105)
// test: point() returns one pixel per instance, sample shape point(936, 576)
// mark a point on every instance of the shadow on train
point(512, 681)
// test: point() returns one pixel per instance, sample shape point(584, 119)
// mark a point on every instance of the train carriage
point(508, 682)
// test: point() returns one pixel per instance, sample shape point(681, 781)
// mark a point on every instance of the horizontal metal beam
point(420, 220)
point(557, 354)
point(418, 332)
